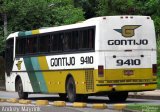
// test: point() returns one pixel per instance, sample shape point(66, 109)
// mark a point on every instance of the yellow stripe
point(35, 32)
point(43, 63)
point(44, 66)
point(55, 80)
point(138, 73)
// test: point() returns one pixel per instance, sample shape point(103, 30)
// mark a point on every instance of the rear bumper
point(126, 87)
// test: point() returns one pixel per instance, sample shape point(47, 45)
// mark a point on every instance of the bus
point(109, 55)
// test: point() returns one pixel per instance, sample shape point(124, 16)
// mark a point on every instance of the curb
point(42, 102)
point(59, 103)
point(99, 106)
point(119, 106)
point(25, 101)
point(12, 100)
point(79, 104)
point(3, 100)
point(64, 104)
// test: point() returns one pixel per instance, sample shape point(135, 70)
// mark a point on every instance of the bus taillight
point(100, 71)
point(154, 69)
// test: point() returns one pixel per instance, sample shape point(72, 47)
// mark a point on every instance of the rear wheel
point(118, 96)
point(19, 89)
point(71, 90)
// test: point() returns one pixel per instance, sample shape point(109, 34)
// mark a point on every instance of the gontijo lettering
point(128, 42)
point(64, 61)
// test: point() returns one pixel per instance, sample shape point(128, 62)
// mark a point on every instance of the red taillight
point(100, 71)
point(154, 69)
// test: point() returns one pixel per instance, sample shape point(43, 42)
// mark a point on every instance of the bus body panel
point(118, 34)
point(127, 51)
point(11, 80)
point(42, 73)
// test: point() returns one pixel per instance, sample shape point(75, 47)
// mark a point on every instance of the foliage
point(34, 14)
point(29, 14)
point(89, 7)
point(63, 12)
point(131, 7)
point(2, 40)
point(158, 61)
point(143, 107)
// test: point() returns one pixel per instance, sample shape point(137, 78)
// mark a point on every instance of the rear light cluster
point(131, 17)
point(154, 69)
point(100, 71)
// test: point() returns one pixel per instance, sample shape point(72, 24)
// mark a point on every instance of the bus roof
point(90, 22)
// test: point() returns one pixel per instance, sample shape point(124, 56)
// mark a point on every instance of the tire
point(118, 96)
point(19, 89)
point(62, 96)
point(71, 90)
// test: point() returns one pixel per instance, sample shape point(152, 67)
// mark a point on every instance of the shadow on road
point(90, 100)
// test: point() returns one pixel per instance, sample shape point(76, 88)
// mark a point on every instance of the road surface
point(51, 98)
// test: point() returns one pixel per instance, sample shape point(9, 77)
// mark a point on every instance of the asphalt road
point(51, 98)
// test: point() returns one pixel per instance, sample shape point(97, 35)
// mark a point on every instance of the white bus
point(110, 55)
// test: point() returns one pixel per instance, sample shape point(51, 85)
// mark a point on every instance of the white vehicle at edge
point(110, 55)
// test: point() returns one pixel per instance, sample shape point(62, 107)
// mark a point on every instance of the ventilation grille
point(89, 80)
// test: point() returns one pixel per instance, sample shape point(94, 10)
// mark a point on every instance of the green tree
point(64, 12)
point(29, 14)
point(131, 7)
point(89, 7)
point(33, 14)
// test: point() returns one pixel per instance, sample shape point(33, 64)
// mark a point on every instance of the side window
point(70, 41)
point(91, 38)
point(44, 43)
point(86, 39)
point(83, 39)
point(67, 41)
point(56, 42)
point(31, 45)
point(20, 46)
point(74, 40)
point(9, 55)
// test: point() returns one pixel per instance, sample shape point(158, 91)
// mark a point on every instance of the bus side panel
point(11, 82)
point(37, 77)
point(19, 70)
point(56, 80)
point(10, 86)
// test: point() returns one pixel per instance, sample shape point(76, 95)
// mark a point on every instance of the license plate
point(128, 72)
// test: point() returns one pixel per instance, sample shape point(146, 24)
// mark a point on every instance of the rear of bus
point(126, 48)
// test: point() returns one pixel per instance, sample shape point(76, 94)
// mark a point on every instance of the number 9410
point(129, 62)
